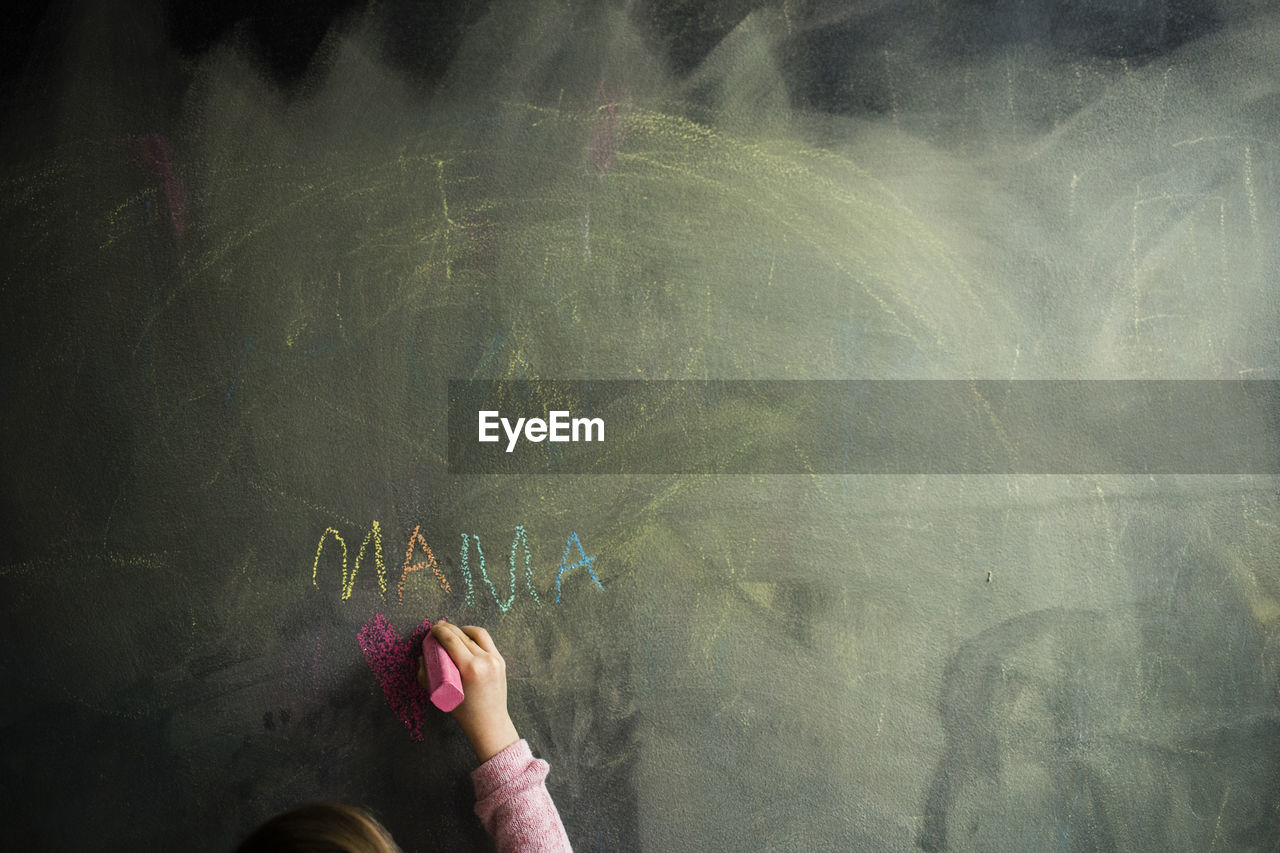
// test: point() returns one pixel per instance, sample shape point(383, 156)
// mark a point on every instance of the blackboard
point(245, 252)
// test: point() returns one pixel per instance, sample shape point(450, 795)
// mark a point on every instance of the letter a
point(583, 561)
point(416, 538)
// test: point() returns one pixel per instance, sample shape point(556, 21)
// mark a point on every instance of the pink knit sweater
point(514, 805)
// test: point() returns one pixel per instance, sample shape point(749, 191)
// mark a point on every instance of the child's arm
point(511, 793)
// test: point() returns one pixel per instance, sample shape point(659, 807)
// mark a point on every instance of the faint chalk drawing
point(1079, 730)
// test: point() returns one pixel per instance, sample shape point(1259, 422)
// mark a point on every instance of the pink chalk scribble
point(607, 136)
point(155, 152)
point(394, 661)
point(482, 243)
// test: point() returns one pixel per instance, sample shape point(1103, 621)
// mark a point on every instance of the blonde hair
point(320, 828)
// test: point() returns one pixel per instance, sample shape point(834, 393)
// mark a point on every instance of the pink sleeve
point(514, 805)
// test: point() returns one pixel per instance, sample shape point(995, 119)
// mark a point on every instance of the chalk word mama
point(418, 556)
point(557, 427)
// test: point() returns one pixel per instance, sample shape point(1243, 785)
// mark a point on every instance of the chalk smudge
point(607, 133)
point(155, 151)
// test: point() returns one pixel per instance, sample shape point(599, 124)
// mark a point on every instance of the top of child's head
point(320, 828)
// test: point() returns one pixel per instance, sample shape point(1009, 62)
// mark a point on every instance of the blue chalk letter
point(583, 561)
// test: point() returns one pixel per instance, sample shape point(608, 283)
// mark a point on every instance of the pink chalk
point(444, 682)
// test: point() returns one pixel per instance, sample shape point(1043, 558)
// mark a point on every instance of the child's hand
point(483, 713)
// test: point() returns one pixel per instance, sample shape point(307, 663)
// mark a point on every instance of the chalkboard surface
point(244, 255)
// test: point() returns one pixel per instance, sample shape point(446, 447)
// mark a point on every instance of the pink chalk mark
point(155, 151)
point(394, 661)
point(317, 670)
point(606, 139)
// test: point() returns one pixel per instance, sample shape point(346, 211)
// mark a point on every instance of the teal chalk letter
point(583, 561)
